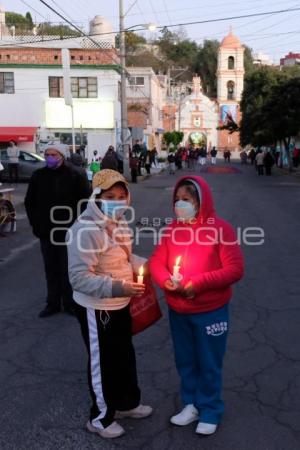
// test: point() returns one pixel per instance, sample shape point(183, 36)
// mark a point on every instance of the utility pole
point(124, 122)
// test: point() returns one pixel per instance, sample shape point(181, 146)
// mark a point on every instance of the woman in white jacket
point(101, 268)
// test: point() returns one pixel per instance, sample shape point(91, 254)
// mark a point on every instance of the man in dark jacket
point(51, 204)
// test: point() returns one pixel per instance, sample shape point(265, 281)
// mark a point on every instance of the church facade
point(199, 117)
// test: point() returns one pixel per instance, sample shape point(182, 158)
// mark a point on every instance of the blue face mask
point(185, 210)
point(114, 209)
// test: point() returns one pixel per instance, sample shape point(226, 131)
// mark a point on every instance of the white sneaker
point(188, 415)
point(206, 428)
point(140, 412)
point(114, 430)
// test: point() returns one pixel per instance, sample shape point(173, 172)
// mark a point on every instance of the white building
point(33, 109)
point(145, 99)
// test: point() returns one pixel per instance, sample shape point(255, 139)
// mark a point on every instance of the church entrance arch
point(198, 139)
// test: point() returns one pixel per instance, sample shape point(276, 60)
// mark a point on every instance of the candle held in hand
point(176, 268)
point(141, 275)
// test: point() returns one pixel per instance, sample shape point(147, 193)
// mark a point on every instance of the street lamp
point(124, 119)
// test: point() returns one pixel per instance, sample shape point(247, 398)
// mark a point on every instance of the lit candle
point(141, 275)
point(176, 267)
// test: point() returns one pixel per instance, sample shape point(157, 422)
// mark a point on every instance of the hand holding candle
point(140, 279)
point(176, 277)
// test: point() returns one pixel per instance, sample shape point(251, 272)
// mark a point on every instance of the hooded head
point(55, 154)
point(110, 193)
point(193, 199)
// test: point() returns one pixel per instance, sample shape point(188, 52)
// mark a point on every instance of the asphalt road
point(44, 398)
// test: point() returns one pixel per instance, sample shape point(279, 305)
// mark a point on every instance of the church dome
point(231, 41)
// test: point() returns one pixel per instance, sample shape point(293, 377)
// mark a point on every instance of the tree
point(21, 23)
point(29, 20)
point(45, 28)
point(132, 41)
point(177, 49)
point(254, 128)
point(173, 138)
point(207, 64)
point(282, 112)
point(248, 60)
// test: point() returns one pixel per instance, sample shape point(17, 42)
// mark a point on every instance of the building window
point(7, 83)
point(137, 81)
point(81, 87)
point(56, 87)
point(231, 63)
point(84, 87)
point(230, 90)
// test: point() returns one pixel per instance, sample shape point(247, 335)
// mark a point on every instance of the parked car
point(28, 163)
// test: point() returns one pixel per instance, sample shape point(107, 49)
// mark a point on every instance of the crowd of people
point(189, 158)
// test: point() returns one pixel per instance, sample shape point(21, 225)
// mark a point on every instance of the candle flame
point(141, 271)
point(178, 260)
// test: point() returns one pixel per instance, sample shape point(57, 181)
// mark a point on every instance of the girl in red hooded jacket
point(210, 261)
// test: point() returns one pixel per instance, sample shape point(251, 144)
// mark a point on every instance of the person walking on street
point(252, 155)
point(148, 162)
point(198, 294)
point(269, 163)
point(102, 279)
point(227, 155)
point(213, 155)
point(134, 166)
point(260, 161)
point(53, 198)
point(171, 161)
point(13, 154)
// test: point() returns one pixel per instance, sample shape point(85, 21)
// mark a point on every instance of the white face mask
point(185, 210)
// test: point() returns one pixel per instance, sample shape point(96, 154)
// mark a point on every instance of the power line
point(143, 28)
point(33, 9)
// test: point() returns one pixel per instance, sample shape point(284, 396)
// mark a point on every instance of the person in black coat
point(110, 160)
point(53, 201)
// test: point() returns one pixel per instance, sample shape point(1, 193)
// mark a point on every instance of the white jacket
point(97, 264)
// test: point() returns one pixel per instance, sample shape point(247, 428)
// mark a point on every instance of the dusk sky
point(273, 34)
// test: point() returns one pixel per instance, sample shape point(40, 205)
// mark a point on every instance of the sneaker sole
point(185, 423)
point(131, 416)
point(95, 430)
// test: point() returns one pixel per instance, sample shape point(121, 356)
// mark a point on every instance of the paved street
point(44, 396)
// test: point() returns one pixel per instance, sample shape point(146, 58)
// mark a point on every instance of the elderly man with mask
point(53, 201)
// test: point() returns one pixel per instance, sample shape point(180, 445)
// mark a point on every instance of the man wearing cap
point(51, 203)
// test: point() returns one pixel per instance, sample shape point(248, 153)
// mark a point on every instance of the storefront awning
point(17, 134)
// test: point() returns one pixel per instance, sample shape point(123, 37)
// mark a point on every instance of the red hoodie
point(210, 257)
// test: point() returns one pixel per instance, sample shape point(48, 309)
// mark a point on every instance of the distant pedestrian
point(252, 155)
point(52, 199)
point(269, 163)
point(227, 156)
point(171, 161)
point(243, 157)
point(198, 298)
point(77, 159)
point(153, 156)
point(213, 156)
point(148, 162)
point(260, 157)
point(13, 154)
point(110, 160)
point(134, 167)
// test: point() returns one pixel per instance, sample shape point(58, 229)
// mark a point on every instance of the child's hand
point(189, 291)
point(132, 289)
point(171, 287)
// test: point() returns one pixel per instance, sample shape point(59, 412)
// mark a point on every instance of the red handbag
point(145, 309)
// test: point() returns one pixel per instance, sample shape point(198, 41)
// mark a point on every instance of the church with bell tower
point(199, 116)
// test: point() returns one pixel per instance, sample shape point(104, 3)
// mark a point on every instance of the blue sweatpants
point(200, 342)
